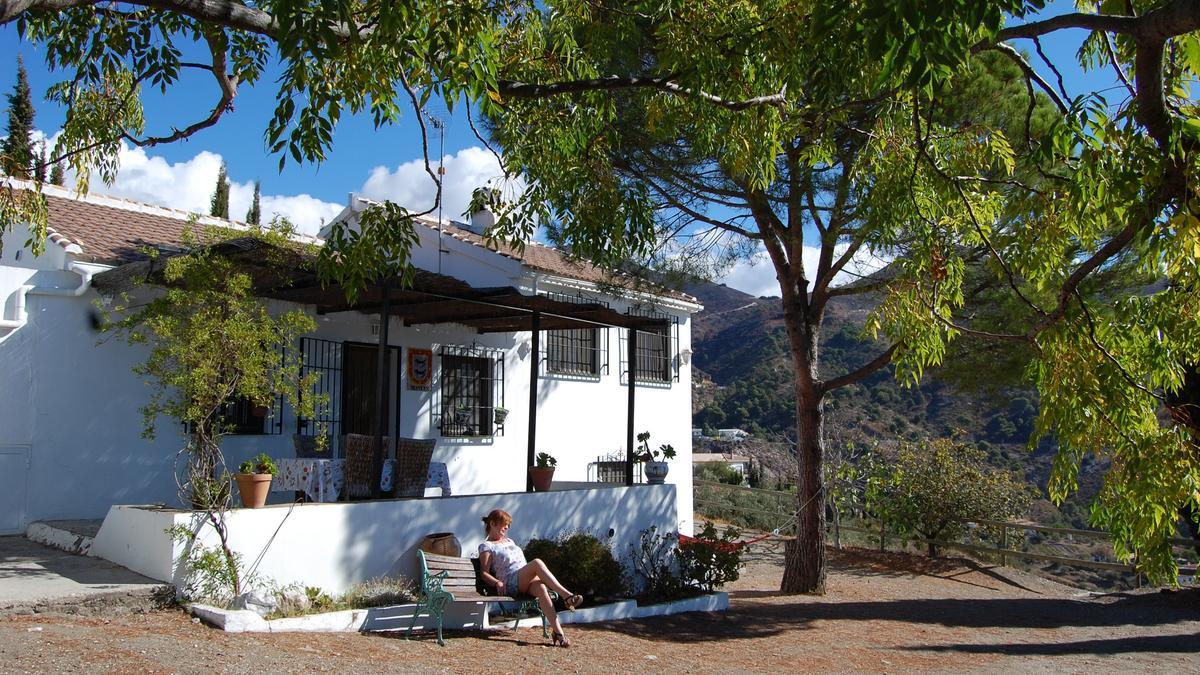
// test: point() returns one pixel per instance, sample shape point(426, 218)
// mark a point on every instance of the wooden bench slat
point(460, 582)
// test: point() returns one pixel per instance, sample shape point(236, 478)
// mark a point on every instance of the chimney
point(483, 218)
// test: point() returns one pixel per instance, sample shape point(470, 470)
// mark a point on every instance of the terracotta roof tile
point(113, 231)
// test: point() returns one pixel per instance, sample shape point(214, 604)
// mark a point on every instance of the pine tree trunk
point(804, 561)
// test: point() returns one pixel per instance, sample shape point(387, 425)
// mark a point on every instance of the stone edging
point(385, 618)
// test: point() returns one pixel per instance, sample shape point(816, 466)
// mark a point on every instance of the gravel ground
point(882, 613)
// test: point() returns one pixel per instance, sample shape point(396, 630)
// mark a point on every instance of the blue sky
point(383, 163)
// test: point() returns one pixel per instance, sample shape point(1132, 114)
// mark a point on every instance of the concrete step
point(49, 570)
point(72, 536)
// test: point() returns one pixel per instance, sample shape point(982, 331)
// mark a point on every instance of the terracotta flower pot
point(253, 487)
point(542, 477)
point(442, 543)
point(656, 472)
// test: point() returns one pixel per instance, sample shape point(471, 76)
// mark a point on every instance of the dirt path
point(883, 613)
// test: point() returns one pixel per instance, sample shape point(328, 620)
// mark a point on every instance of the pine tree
point(254, 215)
point(57, 174)
point(16, 152)
point(220, 199)
point(39, 167)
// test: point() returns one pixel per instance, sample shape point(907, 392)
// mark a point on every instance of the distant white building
point(732, 434)
point(739, 463)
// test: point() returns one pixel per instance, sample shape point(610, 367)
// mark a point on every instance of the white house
point(70, 444)
point(739, 463)
point(732, 434)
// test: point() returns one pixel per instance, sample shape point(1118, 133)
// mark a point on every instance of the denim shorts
point(510, 583)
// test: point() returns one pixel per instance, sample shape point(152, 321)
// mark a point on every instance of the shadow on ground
point(763, 619)
point(1159, 644)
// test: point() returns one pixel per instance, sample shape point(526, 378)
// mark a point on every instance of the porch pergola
point(289, 274)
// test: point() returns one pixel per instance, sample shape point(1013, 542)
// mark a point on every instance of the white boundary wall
point(333, 546)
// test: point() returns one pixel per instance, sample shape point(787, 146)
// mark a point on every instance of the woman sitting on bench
point(502, 565)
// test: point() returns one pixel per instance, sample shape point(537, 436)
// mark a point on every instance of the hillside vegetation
point(744, 380)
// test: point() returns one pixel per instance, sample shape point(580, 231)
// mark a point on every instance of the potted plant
point(499, 414)
point(655, 460)
point(254, 480)
point(462, 414)
point(542, 472)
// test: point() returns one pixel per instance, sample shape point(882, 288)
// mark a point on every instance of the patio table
point(323, 479)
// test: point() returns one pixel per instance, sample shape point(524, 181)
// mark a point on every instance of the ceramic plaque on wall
point(420, 368)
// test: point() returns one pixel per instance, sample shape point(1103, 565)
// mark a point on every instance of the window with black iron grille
point(574, 351)
point(654, 356)
point(579, 352)
point(324, 359)
point(472, 388)
point(240, 416)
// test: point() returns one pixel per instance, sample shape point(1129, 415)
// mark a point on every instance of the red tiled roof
point(108, 234)
point(113, 231)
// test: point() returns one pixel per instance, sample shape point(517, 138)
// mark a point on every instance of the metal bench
point(448, 579)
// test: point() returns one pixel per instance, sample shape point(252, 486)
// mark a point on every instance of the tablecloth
point(323, 479)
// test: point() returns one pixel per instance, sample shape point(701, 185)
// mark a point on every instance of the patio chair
point(412, 466)
point(360, 451)
point(306, 447)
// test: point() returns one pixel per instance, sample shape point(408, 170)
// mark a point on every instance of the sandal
point(572, 602)
point(559, 640)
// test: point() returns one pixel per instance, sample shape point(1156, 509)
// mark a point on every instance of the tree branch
point(864, 370)
point(525, 90)
point(227, 85)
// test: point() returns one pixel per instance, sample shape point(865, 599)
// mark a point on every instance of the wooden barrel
point(442, 543)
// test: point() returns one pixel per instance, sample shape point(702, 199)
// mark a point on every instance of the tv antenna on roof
point(439, 124)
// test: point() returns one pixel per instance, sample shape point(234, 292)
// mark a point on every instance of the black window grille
point(574, 351)
point(578, 352)
point(240, 416)
point(471, 387)
point(654, 356)
point(324, 358)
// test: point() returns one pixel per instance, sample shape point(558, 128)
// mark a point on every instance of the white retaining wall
point(333, 546)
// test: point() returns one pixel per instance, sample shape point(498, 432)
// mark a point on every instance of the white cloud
point(757, 275)
point(410, 186)
point(306, 212)
point(188, 185)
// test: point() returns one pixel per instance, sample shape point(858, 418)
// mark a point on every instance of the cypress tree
point(254, 215)
point(16, 152)
point(57, 174)
point(39, 167)
point(220, 199)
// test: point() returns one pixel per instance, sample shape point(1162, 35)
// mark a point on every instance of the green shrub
point(719, 472)
point(582, 563)
point(712, 559)
point(655, 567)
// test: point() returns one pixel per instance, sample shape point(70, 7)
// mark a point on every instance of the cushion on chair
point(360, 450)
point(412, 466)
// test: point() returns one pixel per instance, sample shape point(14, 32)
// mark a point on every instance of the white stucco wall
point(72, 404)
point(333, 546)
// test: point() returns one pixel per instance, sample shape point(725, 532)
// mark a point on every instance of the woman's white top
point(507, 558)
